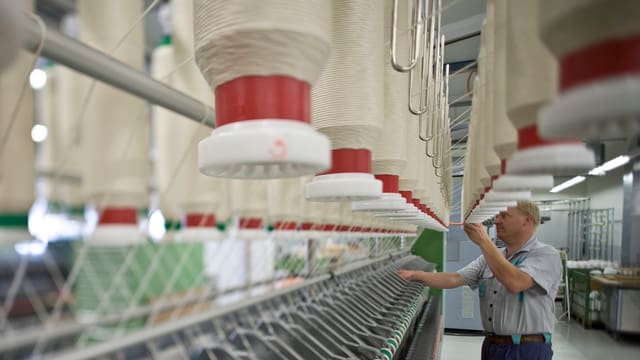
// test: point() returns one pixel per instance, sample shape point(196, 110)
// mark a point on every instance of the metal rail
point(100, 66)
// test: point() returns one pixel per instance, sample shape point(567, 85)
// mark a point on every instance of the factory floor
point(570, 342)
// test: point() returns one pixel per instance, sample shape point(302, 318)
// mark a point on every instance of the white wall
point(603, 191)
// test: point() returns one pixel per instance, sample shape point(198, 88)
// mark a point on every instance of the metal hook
point(443, 124)
point(415, 34)
point(430, 80)
point(425, 73)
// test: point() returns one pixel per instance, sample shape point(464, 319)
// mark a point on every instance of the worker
point(517, 285)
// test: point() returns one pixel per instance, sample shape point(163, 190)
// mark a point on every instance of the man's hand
point(409, 275)
point(476, 233)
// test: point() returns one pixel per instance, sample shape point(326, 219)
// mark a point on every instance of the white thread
point(409, 175)
point(485, 70)
point(16, 146)
point(109, 111)
point(348, 98)
point(420, 165)
point(331, 214)
point(269, 37)
point(346, 216)
point(68, 161)
point(197, 192)
point(285, 199)
point(49, 117)
point(505, 138)
point(532, 71)
point(166, 128)
point(71, 280)
point(389, 155)
point(248, 198)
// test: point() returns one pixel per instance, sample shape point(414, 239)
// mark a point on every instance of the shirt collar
point(530, 244)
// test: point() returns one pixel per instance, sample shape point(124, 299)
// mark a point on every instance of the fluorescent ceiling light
point(610, 165)
point(567, 184)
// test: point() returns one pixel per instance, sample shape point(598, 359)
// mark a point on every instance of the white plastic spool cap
point(263, 149)
point(391, 200)
point(599, 69)
point(507, 196)
point(605, 109)
point(117, 227)
point(523, 182)
point(349, 178)
point(387, 202)
point(261, 62)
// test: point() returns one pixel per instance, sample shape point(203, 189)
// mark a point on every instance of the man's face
point(510, 224)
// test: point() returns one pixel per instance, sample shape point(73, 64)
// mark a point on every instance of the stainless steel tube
point(100, 66)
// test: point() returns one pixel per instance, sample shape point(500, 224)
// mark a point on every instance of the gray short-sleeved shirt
point(529, 312)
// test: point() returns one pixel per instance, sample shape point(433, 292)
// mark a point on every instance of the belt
point(508, 339)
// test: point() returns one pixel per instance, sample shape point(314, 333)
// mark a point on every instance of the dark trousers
point(528, 351)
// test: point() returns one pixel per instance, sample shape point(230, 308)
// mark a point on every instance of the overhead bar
point(100, 66)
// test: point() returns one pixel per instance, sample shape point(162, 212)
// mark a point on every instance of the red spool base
point(263, 97)
point(390, 183)
point(350, 161)
point(118, 216)
point(284, 225)
point(250, 223)
point(200, 220)
point(607, 59)
point(528, 138)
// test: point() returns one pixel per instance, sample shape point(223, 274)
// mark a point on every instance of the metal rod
point(462, 38)
point(109, 347)
point(415, 35)
point(100, 66)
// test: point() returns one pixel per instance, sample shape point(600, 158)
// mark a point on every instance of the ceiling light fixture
point(567, 184)
point(610, 165)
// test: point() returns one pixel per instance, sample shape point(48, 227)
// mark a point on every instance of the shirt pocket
point(485, 282)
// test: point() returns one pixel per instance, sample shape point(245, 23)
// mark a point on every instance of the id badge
point(482, 289)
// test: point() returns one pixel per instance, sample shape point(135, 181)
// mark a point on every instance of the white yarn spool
point(198, 194)
point(113, 177)
point(389, 154)
point(409, 175)
point(248, 198)
point(531, 77)
point(348, 101)
point(483, 172)
point(49, 152)
point(17, 173)
point(480, 177)
point(330, 216)
point(71, 87)
point(347, 221)
point(531, 70)
point(9, 31)
point(249, 204)
point(467, 180)
point(273, 37)
point(596, 45)
point(485, 70)
point(505, 138)
point(285, 203)
point(261, 58)
point(169, 138)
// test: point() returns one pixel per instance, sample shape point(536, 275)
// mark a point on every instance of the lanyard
point(517, 263)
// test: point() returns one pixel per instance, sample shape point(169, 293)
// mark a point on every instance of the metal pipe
point(108, 347)
point(100, 66)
